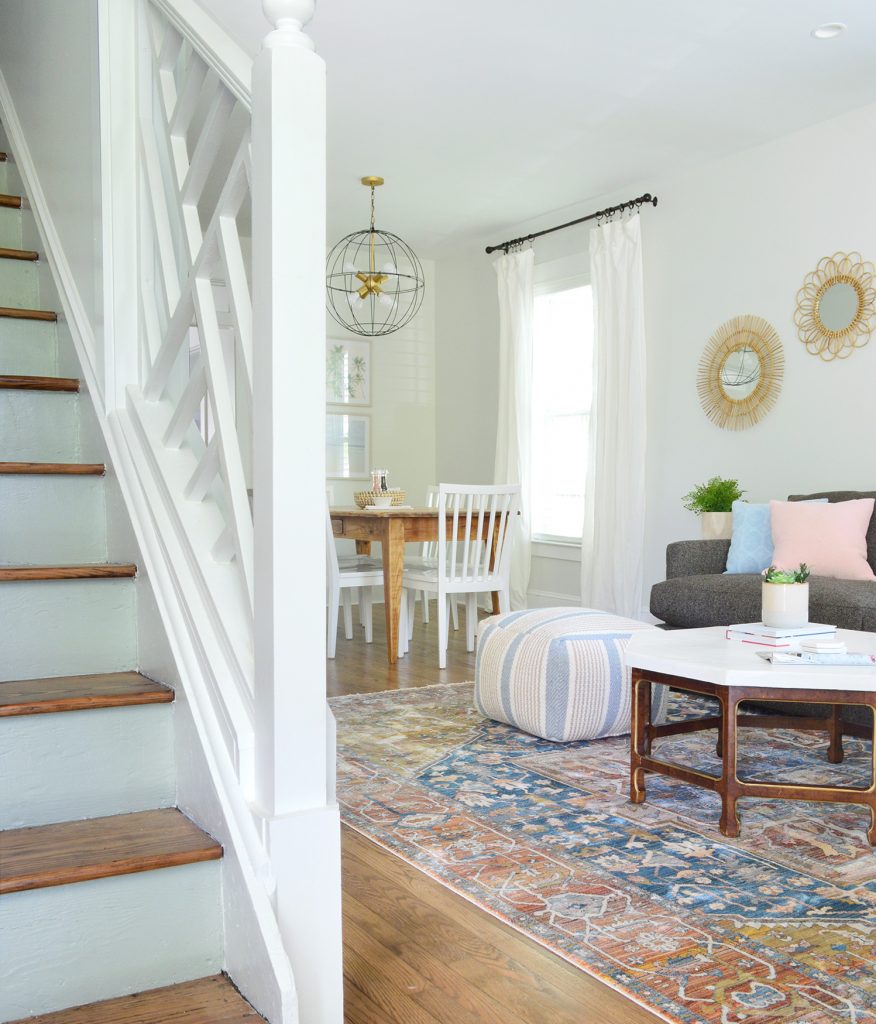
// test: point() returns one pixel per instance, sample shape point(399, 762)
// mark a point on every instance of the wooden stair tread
point(14, 313)
point(212, 1000)
point(80, 693)
point(78, 851)
point(24, 382)
point(52, 468)
point(25, 573)
point(18, 254)
point(13, 202)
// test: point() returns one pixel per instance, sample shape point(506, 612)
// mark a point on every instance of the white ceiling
point(482, 114)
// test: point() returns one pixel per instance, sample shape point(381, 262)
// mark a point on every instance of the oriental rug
point(775, 927)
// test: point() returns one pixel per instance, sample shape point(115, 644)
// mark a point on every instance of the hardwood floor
point(415, 952)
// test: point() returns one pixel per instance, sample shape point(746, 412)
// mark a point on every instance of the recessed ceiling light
point(828, 31)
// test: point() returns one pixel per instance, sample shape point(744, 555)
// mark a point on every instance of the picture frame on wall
point(347, 446)
point(347, 372)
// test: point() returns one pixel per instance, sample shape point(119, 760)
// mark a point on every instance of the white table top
point(706, 655)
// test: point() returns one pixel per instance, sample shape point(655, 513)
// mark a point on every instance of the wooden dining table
point(392, 528)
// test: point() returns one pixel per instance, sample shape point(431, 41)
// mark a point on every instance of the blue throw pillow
point(751, 546)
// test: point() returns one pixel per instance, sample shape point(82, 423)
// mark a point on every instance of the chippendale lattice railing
point(192, 394)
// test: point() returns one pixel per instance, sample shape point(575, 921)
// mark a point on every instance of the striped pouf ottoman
point(558, 673)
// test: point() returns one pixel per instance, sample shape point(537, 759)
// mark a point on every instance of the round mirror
point(740, 373)
point(838, 306)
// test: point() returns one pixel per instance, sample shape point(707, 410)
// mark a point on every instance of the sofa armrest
point(696, 557)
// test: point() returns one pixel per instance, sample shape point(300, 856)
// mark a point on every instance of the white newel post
point(294, 771)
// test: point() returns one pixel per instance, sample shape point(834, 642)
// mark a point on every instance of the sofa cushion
point(720, 600)
point(831, 538)
point(848, 496)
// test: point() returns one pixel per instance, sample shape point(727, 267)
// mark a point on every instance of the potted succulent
point(785, 597)
point(713, 503)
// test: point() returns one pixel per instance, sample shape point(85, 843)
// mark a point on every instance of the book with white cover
point(759, 629)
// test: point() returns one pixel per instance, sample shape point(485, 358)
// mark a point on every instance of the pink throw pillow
point(831, 539)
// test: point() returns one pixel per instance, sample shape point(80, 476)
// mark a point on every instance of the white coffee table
point(703, 661)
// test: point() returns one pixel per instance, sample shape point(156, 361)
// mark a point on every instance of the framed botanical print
point(347, 446)
point(348, 372)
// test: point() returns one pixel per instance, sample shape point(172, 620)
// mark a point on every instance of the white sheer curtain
point(514, 273)
point(614, 502)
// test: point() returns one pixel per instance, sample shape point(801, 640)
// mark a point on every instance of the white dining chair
point(428, 559)
point(469, 517)
point(341, 581)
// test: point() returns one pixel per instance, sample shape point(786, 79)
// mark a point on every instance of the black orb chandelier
point(374, 281)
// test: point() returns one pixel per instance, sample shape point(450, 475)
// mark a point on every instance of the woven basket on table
point(363, 498)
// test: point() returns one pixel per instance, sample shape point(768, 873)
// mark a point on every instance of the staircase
point(109, 895)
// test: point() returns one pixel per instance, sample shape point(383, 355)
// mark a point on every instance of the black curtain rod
point(628, 205)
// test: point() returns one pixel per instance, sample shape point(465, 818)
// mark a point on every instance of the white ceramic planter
point(785, 605)
point(717, 525)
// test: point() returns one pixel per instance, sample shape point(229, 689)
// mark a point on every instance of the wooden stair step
point(23, 382)
point(13, 202)
point(103, 571)
point(18, 254)
point(14, 313)
point(212, 1000)
point(80, 693)
point(52, 469)
point(79, 851)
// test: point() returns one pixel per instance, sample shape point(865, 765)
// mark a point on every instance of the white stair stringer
point(78, 943)
point(86, 764)
point(29, 347)
point(67, 627)
point(53, 519)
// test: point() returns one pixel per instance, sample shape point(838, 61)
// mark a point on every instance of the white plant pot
point(785, 605)
point(717, 525)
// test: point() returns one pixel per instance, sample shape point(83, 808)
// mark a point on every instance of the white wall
point(402, 409)
point(734, 236)
point(61, 123)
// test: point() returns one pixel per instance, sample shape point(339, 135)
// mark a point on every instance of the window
point(562, 379)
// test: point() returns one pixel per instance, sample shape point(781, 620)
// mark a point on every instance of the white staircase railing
point(191, 392)
point(214, 237)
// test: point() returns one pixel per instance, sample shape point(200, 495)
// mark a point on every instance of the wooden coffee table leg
point(729, 790)
point(871, 795)
point(719, 746)
point(835, 734)
point(639, 734)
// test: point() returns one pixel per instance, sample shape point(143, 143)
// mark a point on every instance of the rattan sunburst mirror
point(740, 372)
point(836, 306)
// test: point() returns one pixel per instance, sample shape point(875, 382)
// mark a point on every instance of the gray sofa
point(697, 593)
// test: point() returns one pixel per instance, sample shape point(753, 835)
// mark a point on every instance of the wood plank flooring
point(211, 1000)
point(415, 952)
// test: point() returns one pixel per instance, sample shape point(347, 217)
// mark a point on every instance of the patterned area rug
point(776, 927)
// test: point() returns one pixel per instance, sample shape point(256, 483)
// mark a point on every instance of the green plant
point(715, 495)
point(774, 575)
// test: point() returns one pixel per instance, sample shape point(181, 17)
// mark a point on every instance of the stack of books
point(778, 638)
